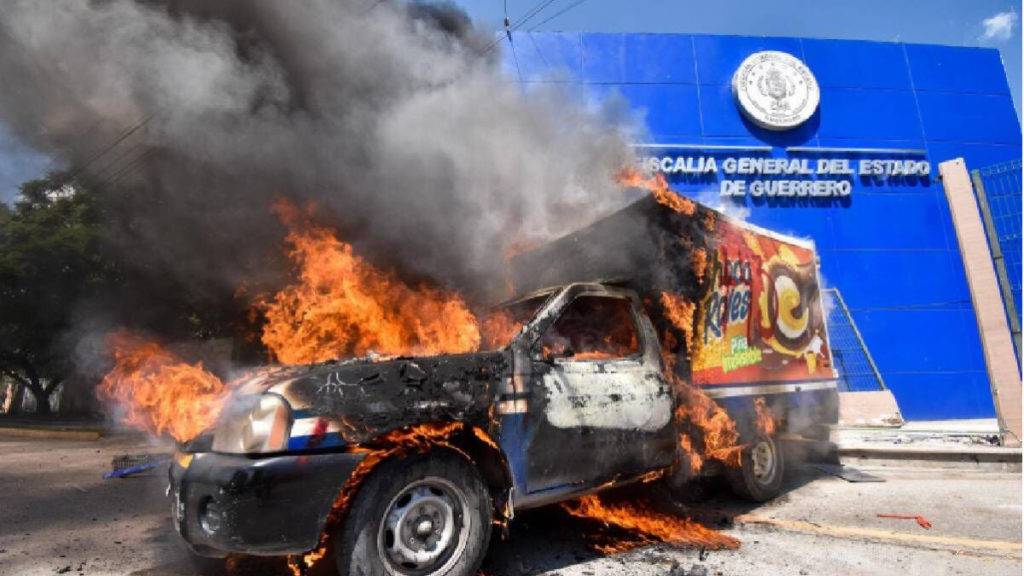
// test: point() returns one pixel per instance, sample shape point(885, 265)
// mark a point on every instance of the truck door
point(599, 406)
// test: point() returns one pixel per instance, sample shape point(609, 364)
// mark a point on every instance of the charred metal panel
point(804, 412)
point(264, 506)
point(590, 421)
point(355, 401)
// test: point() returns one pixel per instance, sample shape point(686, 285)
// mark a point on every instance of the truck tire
point(759, 475)
point(418, 516)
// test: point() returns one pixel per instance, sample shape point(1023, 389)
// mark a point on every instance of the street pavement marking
point(1014, 548)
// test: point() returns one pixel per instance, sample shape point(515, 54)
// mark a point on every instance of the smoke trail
point(386, 115)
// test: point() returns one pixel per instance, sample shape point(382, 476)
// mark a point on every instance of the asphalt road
point(58, 516)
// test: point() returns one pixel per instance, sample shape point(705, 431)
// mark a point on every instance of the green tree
point(50, 258)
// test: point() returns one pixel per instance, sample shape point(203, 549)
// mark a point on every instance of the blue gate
point(998, 191)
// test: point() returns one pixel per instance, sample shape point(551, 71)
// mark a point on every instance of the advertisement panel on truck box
point(760, 319)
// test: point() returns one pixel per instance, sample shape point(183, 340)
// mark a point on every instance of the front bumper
point(270, 506)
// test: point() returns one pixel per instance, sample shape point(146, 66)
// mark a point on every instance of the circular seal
point(775, 90)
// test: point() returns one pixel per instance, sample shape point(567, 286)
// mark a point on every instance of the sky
point(992, 23)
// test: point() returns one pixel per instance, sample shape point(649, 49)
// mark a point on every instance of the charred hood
point(365, 398)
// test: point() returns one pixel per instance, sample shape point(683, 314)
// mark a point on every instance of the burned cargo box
point(733, 303)
point(647, 246)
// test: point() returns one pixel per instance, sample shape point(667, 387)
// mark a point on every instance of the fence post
point(996, 343)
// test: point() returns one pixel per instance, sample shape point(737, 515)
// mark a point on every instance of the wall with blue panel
point(891, 250)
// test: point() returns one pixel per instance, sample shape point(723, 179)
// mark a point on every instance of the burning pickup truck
point(628, 335)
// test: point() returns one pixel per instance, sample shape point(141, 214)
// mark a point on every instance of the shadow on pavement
point(542, 540)
point(550, 539)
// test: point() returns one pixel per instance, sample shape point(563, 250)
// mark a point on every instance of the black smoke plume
point(393, 118)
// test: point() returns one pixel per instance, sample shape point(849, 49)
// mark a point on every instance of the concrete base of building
point(875, 408)
point(932, 444)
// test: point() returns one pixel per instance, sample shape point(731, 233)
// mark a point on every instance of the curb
point(987, 458)
point(51, 433)
point(996, 458)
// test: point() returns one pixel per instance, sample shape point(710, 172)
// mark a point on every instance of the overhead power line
point(130, 166)
point(530, 14)
point(511, 44)
point(557, 14)
point(106, 150)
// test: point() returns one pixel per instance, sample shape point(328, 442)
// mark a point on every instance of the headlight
point(256, 424)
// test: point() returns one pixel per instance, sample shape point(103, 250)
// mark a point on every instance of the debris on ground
point(128, 464)
point(676, 569)
point(919, 519)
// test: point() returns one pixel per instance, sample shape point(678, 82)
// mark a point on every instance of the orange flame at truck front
point(343, 306)
point(160, 393)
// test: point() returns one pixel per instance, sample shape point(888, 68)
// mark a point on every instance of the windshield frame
point(544, 296)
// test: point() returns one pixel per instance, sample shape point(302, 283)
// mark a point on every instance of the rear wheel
point(428, 515)
point(759, 476)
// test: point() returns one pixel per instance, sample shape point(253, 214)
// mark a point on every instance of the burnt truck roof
point(645, 246)
point(629, 245)
point(548, 291)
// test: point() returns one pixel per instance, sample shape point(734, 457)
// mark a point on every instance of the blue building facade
point(888, 245)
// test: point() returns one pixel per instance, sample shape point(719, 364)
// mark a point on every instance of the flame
point(299, 565)
point(679, 312)
point(486, 438)
point(710, 220)
point(716, 429)
point(597, 355)
point(764, 418)
point(646, 526)
point(160, 392)
point(521, 245)
point(498, 328)
point(657, 185)
point(694, 461)
point(339, 306)
point(700, 263)
point(705, 429)
point(343, 306)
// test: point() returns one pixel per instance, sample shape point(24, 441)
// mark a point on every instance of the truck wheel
point(420, 516)
point(759, 476)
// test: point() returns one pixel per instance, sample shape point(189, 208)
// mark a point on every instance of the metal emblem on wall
point(775, 90)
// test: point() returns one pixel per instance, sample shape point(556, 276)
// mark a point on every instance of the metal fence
point(998, 191)
point(857, 370)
